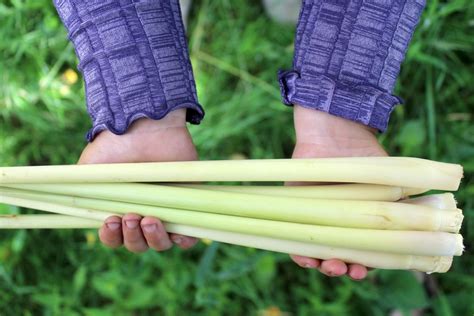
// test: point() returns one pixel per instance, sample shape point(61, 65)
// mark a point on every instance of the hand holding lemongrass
point(345, 138)
point(321, 135)
point(146, 141)
point(351, 230)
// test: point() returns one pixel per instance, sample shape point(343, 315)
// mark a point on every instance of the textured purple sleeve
point(348, 55)
point(134, 60)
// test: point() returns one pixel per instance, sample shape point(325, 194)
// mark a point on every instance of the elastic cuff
point(194, 115)
point(364, 104)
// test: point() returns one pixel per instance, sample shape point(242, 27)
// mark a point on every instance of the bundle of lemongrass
point(364, 216)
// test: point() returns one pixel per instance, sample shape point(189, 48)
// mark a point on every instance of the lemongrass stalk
point(394, 171)
point(30, 202)
point(340, 213)
point(365, 192)
point(401, 242)
point(366, 258)
point(46, 222)
point(373, 259)
point(444, 201)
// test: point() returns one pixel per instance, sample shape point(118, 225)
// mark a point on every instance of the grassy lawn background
point(236, 51)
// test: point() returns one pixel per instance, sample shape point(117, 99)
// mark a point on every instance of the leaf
point(441, 306)
point(411, 138)
point(402, 290)
point(265, 270)
point(18, 241)
point(238, 268)
point(140, 297)
point(104, 311)
point(206, 264)
point(52, 300)
point(107, 285)
point(80, 278)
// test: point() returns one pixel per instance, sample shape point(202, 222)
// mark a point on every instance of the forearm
point(348, 56)
point(134, 60)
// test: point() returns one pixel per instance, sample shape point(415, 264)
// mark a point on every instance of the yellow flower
point(206, 241)
point(91, 238)
point(273, 311)
point(70, 77)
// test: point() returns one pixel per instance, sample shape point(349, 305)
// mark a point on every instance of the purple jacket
point(134, 58)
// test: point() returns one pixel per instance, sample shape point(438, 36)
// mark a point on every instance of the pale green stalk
point(366, 258)
point(339, 213)
point(381, 260)
point(394, 171)
point(35, 202)
point(364, 192)
point(401, 242)
point(46, 222)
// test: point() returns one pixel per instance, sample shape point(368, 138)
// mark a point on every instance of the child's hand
point(319, 134)
point(146, 141)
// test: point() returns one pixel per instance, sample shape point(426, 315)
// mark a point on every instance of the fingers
point(158, 239)
point(155, 234)
point(138, 234)
point(333, 267)
point(305, 262)
point(110, 233)
point(184, 242)
point(133, 237)
point(357, 272)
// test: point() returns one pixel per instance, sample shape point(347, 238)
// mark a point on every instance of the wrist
point(174, 120)
point(311, 124)
point(167, 139)
point(322, 134)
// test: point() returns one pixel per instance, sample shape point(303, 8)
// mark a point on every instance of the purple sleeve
point(134, 59)
point(348, 56)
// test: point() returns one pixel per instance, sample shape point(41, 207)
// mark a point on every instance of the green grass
point(236, 51)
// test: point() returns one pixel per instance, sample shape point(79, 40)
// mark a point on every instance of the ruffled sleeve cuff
point(134, 60)
point(364, 104)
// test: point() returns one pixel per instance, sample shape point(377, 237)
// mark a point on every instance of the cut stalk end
point(452, 223)
point(440, 264)
point(459, 247)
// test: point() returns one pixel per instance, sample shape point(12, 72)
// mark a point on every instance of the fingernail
point(149, 228)
point(355, 278)
point(131, 224)
point(177, 240)
point(308, 265)
point(113, 225)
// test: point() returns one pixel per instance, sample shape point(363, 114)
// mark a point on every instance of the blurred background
point(236, 49)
